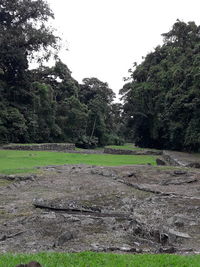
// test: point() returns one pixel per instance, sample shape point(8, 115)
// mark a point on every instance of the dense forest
point(161, 98)
point(46, 104)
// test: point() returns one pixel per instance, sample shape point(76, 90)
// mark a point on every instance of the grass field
point(12, 161)
point(89, 259)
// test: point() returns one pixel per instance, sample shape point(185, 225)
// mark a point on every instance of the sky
point(105, 37)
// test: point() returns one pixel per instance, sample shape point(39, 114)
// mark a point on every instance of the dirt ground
point(129, 209)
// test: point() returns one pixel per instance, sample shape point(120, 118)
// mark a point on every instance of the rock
point(131, 152)
point(179, 220)
point(160, 162)
point(194, 165)
point(167, 250)
point(128, 174)
point(37, 147)
point(10, 177)
point(180, 172)
point(64, 237)
point(159, 237)
point(105, 173)
point(127, 248)
point(123, 249)
point(179, 223)
point(3, 238)
point(97, 247)
point(179, 181)
point(30, 264)
point(18, 178)
point(164, 239)
point(173, 234)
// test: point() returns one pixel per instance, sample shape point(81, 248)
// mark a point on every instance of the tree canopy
point(162, 97)
point(45, 104)
point(161, 106)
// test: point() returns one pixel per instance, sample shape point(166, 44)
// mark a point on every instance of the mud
point(129, 209)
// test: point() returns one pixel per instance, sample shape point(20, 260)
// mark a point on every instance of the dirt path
point(124, 209)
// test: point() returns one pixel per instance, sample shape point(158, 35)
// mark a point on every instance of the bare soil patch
point(75, 208)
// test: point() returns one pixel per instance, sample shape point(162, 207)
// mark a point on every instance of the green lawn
point(89, 259)
point(12, 161)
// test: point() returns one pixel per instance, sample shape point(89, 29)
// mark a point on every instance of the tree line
point(162, 95)
point(47, 104)
point(161, 98)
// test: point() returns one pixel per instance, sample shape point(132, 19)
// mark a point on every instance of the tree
point(12, 125)
point(60, 79)
point(161, 102)
point(72, 118)
point(23, 34)
point(47, 103)
point(98, 97)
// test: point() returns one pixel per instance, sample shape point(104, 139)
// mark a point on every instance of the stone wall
point(131, 152)
point(41, 147)
point(171, 159)
point(183, 159)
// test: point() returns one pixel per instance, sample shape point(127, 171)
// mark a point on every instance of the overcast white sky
point(105, 37)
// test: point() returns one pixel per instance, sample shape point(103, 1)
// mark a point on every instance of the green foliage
point(45, 104)
point(92, 259)
point(27, 106)
point(12, 125)
point(162, 100)
point(85, 141)
point(23, 32)
point(24, 161)
point(114, 139)
point(98, 97)
point(75, 115)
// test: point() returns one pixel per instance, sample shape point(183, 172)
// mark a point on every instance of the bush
point(87, 142)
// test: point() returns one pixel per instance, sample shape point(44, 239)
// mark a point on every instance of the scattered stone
point(78, 208)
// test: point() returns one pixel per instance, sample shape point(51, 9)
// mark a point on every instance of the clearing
point(73, 208)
